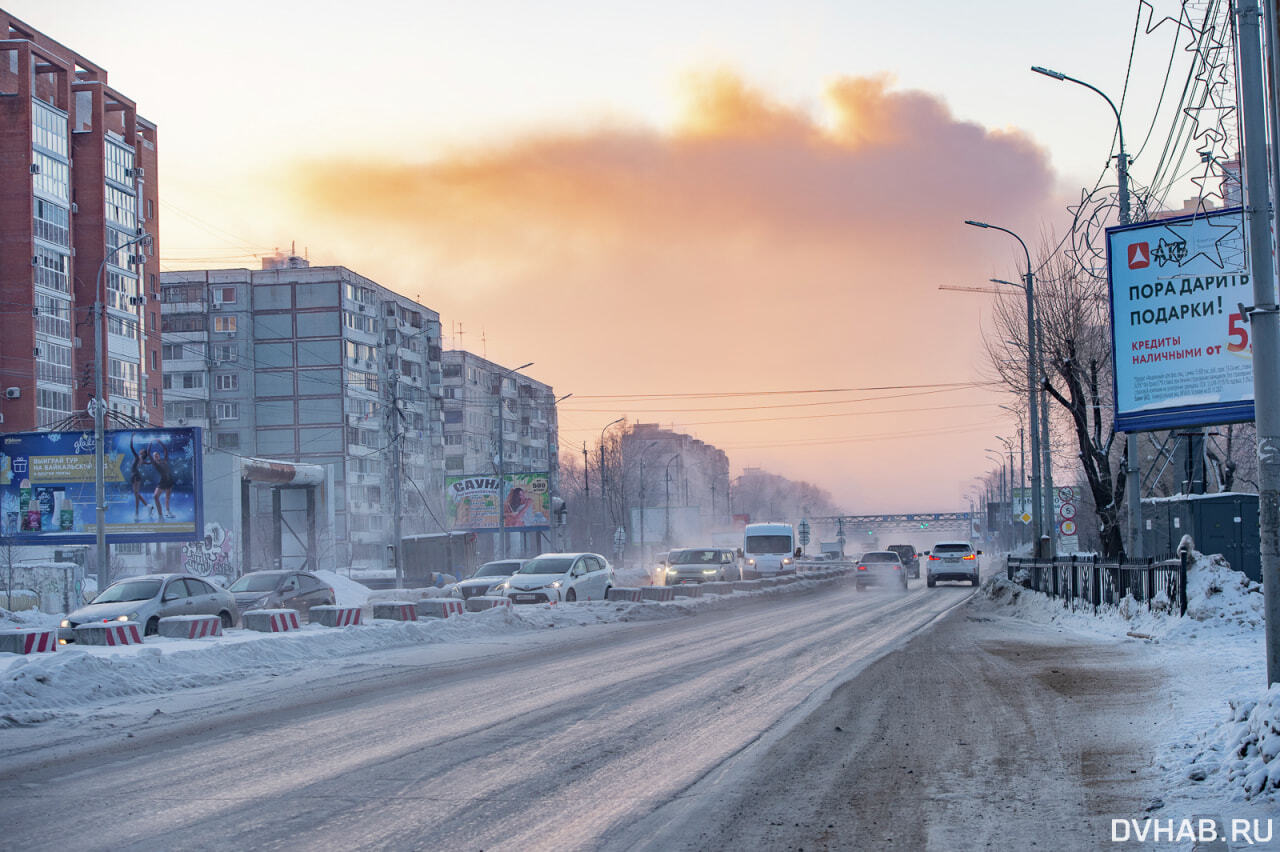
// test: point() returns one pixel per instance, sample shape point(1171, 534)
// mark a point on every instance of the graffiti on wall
point(210, 555)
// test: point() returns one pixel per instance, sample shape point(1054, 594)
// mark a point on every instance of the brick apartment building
point(77, 182)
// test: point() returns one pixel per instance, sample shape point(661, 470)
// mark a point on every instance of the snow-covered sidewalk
point(1221, 739)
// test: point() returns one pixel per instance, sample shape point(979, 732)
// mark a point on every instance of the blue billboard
point(1179, 338)
point(152, 486)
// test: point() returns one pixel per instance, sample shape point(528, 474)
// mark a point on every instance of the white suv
point(556, 577)
point(952, 560)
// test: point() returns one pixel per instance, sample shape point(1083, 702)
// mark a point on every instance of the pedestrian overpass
point(873, 528)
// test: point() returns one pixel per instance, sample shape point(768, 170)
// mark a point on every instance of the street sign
point(804, 533)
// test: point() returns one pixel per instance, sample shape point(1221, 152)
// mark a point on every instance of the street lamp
point(502, 464)
point(591, 535)
point(666, 530)
point(646, 449)
point(1133, 485)
point(99, 413)
point(1037, 520)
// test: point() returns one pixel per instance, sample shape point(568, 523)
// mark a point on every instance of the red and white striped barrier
point(29, 640)
point(396, 610)
point(657, 593)
point(334, 616)
point(623, 593)
point(441, 607)
point(687, 590)
point(482, 602)
point(191, 626)
point(271, 620)
point(109, 633)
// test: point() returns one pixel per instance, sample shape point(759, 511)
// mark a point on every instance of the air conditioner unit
point(12, 393)
point(136, 260)
point(35, 260)
point(215, 306)
point(138, 171)
point(75, 208)
point(35, 168)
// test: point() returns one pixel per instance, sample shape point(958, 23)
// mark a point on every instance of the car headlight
point(751, 562)
point(124, 618)
point(555, 585)
point(64, 623)
point(673, 570)
point(501, 587)
point(708, 570)
point(786, 560)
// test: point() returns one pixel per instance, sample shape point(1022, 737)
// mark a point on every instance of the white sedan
point(556, 577)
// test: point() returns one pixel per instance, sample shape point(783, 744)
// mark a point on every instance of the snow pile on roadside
point(27, 618)
point(1217, 593)
point(1218, 598)
point(1242, 752)
point(347, 591)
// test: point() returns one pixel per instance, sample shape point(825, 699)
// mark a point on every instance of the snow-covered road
point(540, 739)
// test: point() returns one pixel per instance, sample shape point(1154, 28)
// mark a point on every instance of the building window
point(226, 382)
point(224, 353)
point(227, 411)
point(48, 128)
point(51, 222)
point(123, 378)
point(51, 178)
point(228, 440)
point(226, 295)
point(51, 269)
point(155, 396)
point(52, 406)
point(53, 316)
point(224, 324)
point(54, 363)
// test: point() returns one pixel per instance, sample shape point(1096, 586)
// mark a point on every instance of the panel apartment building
point(530, 429)
point(78, 178)
point(319, 365)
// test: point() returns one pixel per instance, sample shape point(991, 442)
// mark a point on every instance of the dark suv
point(910, 559)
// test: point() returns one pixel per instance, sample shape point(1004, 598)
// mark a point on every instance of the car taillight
point(971, 556)
point(933, 558)
point(862, 567)
point(897, 567)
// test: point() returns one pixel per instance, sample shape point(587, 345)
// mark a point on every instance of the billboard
point(1179, 340)
point(152, 480)
point(472, 502)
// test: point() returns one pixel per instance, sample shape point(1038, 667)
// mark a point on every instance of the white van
point(768, 550)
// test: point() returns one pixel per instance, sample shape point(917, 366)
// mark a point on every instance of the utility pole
point(99, 413)
point(502, 463)
point(586, 489)
point(1051, 517)
point(1259, 211)
point(603, 478)
point(1133, 469)
point(1037, 519)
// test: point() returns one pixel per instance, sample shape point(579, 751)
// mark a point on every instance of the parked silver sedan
point(149, 598)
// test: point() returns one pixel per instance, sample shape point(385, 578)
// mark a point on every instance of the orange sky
point(755, 247)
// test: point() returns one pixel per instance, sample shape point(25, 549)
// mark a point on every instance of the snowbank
point(347, 591)
point(36, 690)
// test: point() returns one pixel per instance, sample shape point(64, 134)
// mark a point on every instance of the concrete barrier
point(746, 585)
point(786, 579)
point(190, 626)
point(482, 602)
point(396, 610)
point(623, 593)
point(109, 633)
point(398, 595)
point(687, 590)
point(335, 616)
point(29, 640)
point(657, 593)
point(441, 607)
point(718, 587)
point(271, 620)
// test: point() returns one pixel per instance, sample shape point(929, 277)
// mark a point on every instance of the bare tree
point(1071, 307)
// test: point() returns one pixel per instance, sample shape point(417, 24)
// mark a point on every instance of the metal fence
point(1089, 581)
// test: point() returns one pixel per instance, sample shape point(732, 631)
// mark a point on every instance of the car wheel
point(605, 596)
point(152, 628)
point(571, 596)
point(227, 622)
point(930, 582)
